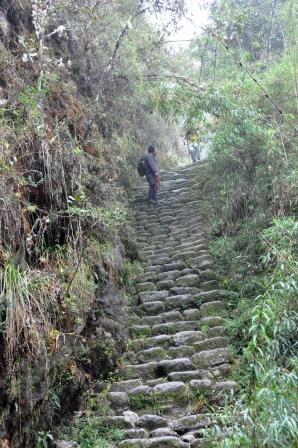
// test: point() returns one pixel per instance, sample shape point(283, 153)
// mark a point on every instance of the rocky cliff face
point(62, 262)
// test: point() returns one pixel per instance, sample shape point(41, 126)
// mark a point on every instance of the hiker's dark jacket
point(152, 164)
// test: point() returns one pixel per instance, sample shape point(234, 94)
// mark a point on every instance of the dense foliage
point(84, 87)
point(250, 201)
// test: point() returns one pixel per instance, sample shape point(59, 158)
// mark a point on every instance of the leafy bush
point(93, 432)
point(264, 413)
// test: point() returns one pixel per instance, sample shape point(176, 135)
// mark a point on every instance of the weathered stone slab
point(152, 354)
point(136, 433)
point(187, 337)
point(188, 280)
point(162, 432)
point(65, 444)
point(140, 390)
point(182, 351)
point(120, 422)
point(147, 286)
point(209, 285)
point(125, 386)
point(175, 266)
point(145, 371)
point(151, 320)
point(134, 443)
point(175, 390)
point(168, 275)
point(210, 358)
point(156, 381)
point(212, 343)
point(183, 255)
point(153, 307)
point(192, 314)
point(171, 316)
point(181, 290)
point(165, 284)
point(145, 277)
point(212, 321)
point(175, 327)
point(160, 340)
point(118, 399)
point(206, 296)
point(201, 385)
point(211, 308)
point(166, 366)
point(164, 442)
point(153, 296)
point(191, 422)
point(178, 301)
point(151, 422)
point(191, 375)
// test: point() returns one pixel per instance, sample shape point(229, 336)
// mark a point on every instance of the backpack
point(142, 166)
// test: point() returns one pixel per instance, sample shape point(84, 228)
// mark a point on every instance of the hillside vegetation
point(84, 88)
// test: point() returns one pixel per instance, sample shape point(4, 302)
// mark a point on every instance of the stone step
point(171, 348)
point(167, 366)
point(152, 296)
point(170, 316)
point(144, 371)
point(191, 422)
point(145, 286)
point(155, 442)
point(167, 396)
point(170, 303)
point(168, 275)
point(175, 327)
point(182, 290)
point(125, 386)
point(179, 356)
point(163, 395)
point(179, 302)
point(190, 375)
point(211, 308)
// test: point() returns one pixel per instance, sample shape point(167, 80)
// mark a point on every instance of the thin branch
point(244, 67)
point(110, 65)
point(175, 77)
point(202, 58)
point(215, 62)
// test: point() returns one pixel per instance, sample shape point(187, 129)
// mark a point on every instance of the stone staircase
point(178, 356)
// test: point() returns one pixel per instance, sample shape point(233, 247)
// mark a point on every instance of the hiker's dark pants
point(152, 193)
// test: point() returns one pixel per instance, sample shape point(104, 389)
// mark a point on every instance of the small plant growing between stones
point(150, 400)
point(130, 270)
point(205, 329)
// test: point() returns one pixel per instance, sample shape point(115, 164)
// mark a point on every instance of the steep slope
point(178, 355)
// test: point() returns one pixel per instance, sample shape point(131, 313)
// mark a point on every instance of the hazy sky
point(190, 26)
point(197, 17)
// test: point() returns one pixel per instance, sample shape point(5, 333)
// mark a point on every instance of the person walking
point(193, 151)
point(152, 174)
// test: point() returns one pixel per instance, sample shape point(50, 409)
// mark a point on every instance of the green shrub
point(93, 432)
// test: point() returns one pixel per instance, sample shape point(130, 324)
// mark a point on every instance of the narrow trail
point(178, 355)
